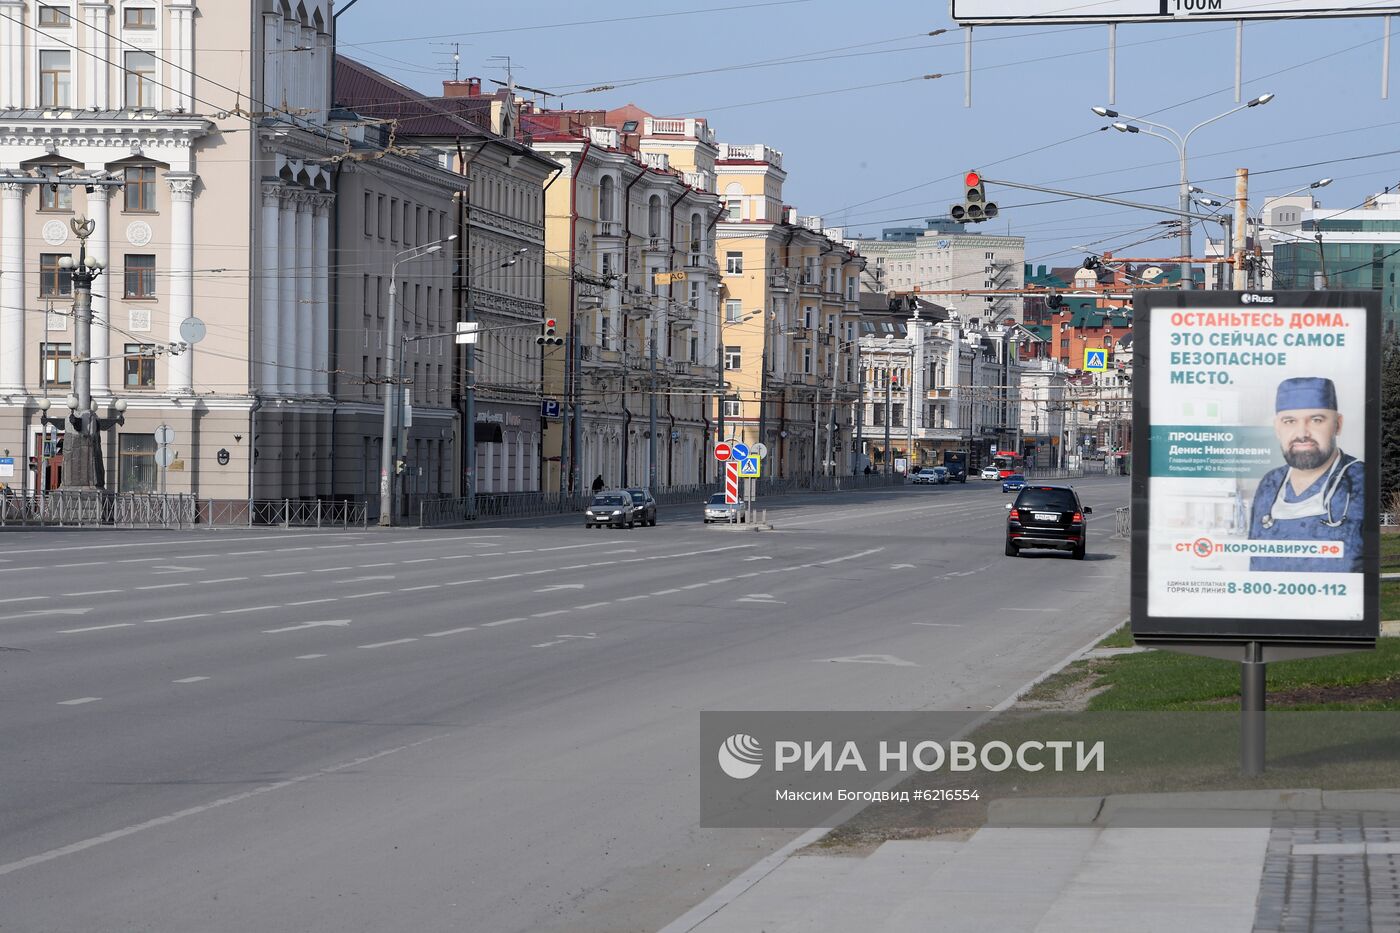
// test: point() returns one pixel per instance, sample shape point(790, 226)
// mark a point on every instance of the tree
point(1390, 421)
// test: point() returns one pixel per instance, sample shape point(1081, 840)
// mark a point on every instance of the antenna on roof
point(456, 55)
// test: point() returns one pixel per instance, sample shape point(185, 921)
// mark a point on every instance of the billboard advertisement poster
point(1256, 477)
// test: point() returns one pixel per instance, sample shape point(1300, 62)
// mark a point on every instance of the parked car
point(717, 510)
point(610, 507)
point(991, 472)
point(643, 507)
point(943, 475)
point(928, 476)
point(1014, 483)
point(1047, 517)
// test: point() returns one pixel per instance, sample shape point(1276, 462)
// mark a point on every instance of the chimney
point(471, 87)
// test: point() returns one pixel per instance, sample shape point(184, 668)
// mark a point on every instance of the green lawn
point(1390, 553)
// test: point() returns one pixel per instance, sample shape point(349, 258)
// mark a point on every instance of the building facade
point(941, 262)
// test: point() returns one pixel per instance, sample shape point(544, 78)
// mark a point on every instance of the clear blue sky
point(868, 156)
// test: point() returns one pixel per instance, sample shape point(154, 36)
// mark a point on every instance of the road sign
point(731, 482)
point(549, 407)
point(165, 456)
point(1095, 361)
point(666, 278)
point(749, 467)
point(467, 331)
point(192, 330)
point(722, 452)
point(739, 452)
point(7, 466)
point(759, 450)
point(165, 435)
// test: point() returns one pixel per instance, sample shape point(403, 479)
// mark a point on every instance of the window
point(56, 362)
point(140, 365)
point(140, 79)
point(140, 188)
point(54, 282)
point(733, 208)
point(55, 198)
point(606, 198)
point(807, 318)
point(733, 358)
point(654, 215)
point(733, 310)
point(395, 218)
point(731, 408)
point(694, 349)
point(55, 79)
point(369, 225)
point(897, 415)
point(54, 16)
point(879, 419)
point(605, 326)
point(139, 18)
point(140, 276)
point(807, 360)
point(136, 463)
point(734, 263)
point(381, 219)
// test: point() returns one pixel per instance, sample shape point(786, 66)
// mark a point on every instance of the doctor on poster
point(1319, 492)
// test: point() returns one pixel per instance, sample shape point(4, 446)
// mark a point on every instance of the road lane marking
point(330, 569)
point(460, 582)
point(385, 564)
point(411, 589)
point(94, 628)
point(939, 624)
point(286, 573)
point(229, 612)
point(1016, 609)
point(312, 602)
point(294, 628)
point(837, 560)
point(22, 599)
point(628, 599)
point(419, 560)
point(366, 595)
point(385, 644)
point(548, 644)
point(223, 580)
point(451, 631)
point(721, 579)
point(244, 553)
point(93, 593)
point(283, 550)
point(308, 657)
point(161, 586)
point(193, 615)
point(504, 576)
point(593, 605)
point(503, 622)
point(552, 612)
point(189, 680)
point(665, 592)
point(560, 586)
point(694, 586)
point(79, 701)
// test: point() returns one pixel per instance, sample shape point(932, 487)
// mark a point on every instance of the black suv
point(1047, 517)
point(643, 507)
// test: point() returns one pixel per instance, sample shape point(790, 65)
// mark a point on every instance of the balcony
point(603, 136)
point(609, 228)
point(810, 286)
point(657, 244)
point(689, 127)
point(657, 160)
point(702, 262)
point(700, 181)
point(756, 152)
point(780, 281)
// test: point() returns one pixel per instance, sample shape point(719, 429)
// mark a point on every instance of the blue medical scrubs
point(1348, 503)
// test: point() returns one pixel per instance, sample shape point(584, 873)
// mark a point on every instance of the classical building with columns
point(247, 204)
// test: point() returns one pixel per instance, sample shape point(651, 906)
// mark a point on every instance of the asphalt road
point(484, 729)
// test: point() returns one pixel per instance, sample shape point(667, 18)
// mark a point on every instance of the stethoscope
point(1329, 489)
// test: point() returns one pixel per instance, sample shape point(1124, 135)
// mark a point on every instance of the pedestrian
point(597, 484)
point(868, 471)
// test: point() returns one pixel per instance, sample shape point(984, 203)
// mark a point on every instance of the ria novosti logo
point(740, 756)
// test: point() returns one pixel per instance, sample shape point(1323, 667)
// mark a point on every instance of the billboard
point(1255, 509)
point(1042, 12)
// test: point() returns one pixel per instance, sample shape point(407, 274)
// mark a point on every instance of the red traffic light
point(972, 180)
point(549, 322)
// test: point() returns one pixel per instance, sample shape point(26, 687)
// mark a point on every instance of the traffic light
point(1054, 301)
point(547, 337)
point(974, 206)
point(398, 467)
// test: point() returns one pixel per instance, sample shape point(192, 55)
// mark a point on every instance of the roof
point(372, 94)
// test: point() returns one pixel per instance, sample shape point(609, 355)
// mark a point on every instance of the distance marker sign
point(1256, 455)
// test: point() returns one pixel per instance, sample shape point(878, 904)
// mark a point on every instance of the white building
point(936, 261)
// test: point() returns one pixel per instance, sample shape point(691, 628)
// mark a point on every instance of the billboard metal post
point(1252, 670)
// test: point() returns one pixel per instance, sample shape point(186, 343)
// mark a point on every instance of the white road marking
point(22, 599)
point(161, 586)
point(560, 586)
point(503, 622)
point(385, 644)
point(32, 613)
point(193, 615)
point(630, 550)
point(244, 553)
point(162, 571)
point(628, 599)
point(293, 628)
point(694, 586)
point(309, 657)
point(383, 576)
point(451, 631)
point(721, 579)
point(418, 560)
point(222, 580)
point(230, 612)
point(504, 576)
point(330, 569)
point(901, 566)
point(460, 582)
point(761, 557)
point(665, 592)
point(427, 586)
point(93, 593)
point(871, 659)
point(94, 628)
point(1017, 609)
point(189, 680)
point(837, 560)
point(593, 605)
point(125, 831)
point(366, 595)
point(79, 701)
point(761, 602)
point(286, 573)
point(589, 635)
point(367, 566)
point(548, 644)
point(938, 624)
point(745, 576)
point(283, 550)
point(312, 602)
point(552, 612)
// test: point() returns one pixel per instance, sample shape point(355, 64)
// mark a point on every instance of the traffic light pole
point(1080, 195)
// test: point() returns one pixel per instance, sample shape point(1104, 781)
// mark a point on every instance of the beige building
point(790, 302)
point(634, 205)
point(248, 205)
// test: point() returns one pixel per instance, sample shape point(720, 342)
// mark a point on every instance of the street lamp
point(1180, 141)
point(386, 462)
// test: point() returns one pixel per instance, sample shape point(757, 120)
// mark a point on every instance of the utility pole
point(83, 469)
point(651, 408)
point(1240, 279)
point(720, 395)
point(889, 460)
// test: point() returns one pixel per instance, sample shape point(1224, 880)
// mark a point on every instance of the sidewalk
point(1306, 868)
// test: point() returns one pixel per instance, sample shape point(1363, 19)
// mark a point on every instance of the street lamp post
point(1180, 141)
point(392, 396)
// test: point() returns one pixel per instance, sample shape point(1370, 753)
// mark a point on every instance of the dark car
point(610, 508)
point(956, 473)
point(1047, 517)
point(1014, 482)
point(643, 507)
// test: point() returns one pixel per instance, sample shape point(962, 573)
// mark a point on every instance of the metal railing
point(128, 510)
point(1054, 473)
point(1122, 523)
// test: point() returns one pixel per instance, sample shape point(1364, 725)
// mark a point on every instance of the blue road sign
point(549, 407)
point(739, 452)
point(1095, 361)
point(749, 467)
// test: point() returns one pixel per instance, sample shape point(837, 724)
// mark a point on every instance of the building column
point(96, 16)
point(506, 443)
point(321, 324)
point(304, 311)
point(268, 348)
point(286, 293)
point(12, 43)
point(181, 78)
point(11, 287)
point(181, 277)
point(98, 206)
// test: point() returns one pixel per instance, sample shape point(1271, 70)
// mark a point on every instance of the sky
point(868, 142)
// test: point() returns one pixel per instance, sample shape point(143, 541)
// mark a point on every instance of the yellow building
point(790, 301)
